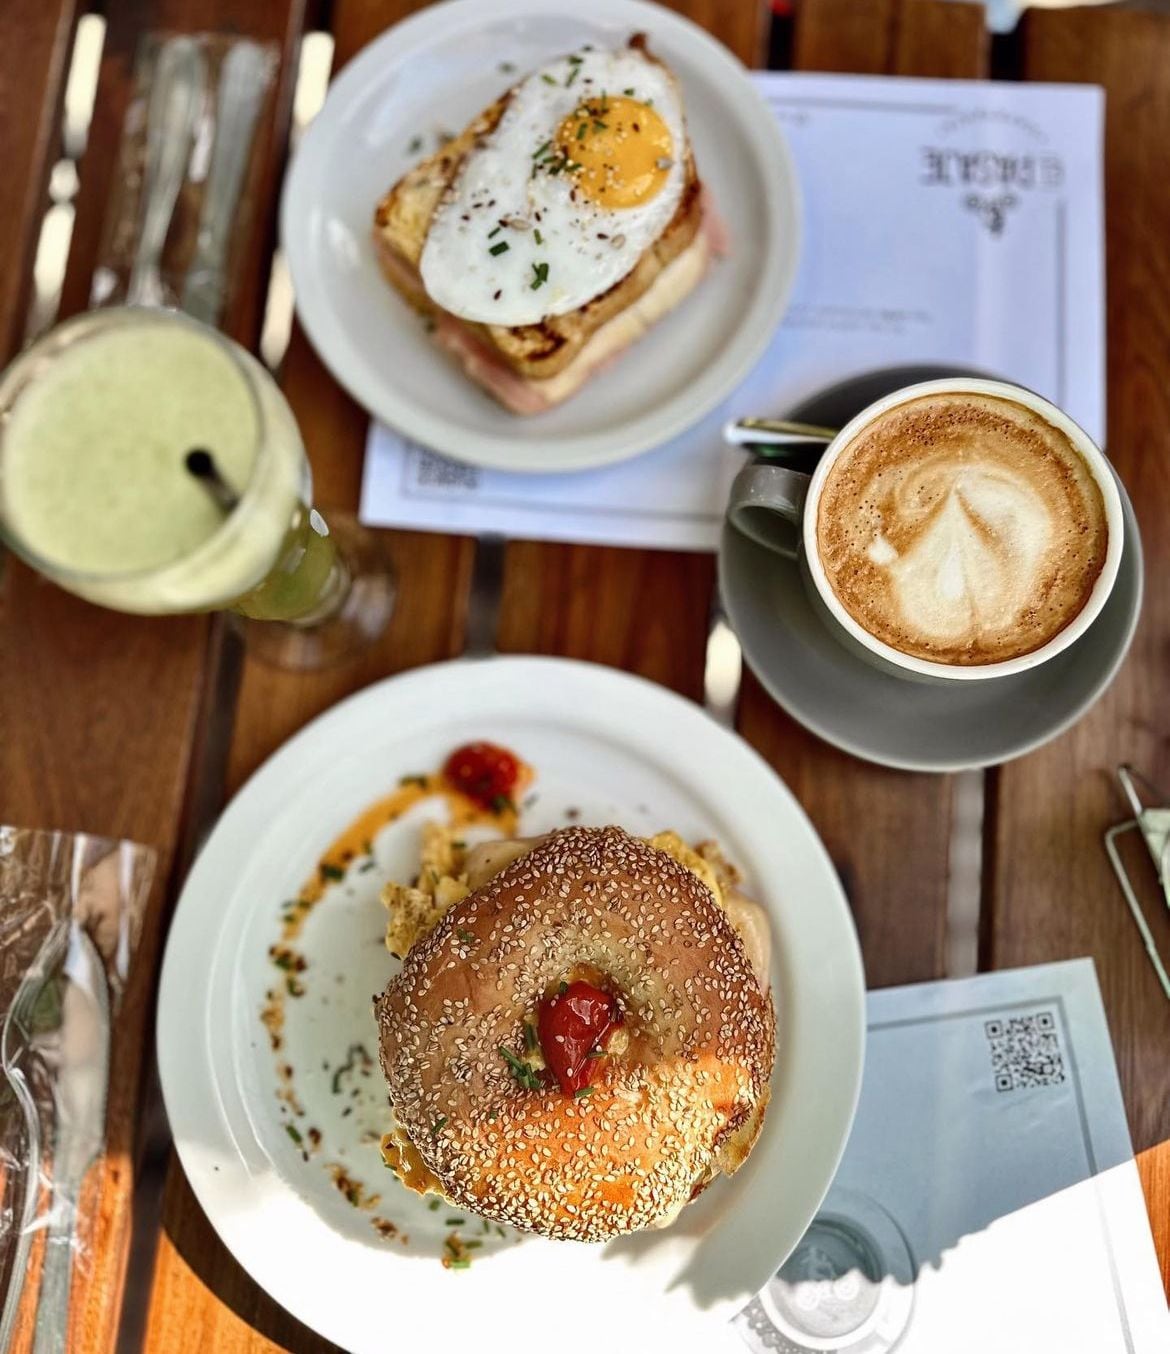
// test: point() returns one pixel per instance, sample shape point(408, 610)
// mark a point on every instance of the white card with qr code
point(988, 1202)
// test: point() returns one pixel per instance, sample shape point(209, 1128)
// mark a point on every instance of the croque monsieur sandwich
point(556, 228)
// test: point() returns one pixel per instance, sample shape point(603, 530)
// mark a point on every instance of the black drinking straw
point(201, 464)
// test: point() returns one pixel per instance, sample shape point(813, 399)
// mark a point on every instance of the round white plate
point(433, 73)
point(606, 747)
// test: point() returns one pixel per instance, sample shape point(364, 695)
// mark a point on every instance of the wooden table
point(142, 728)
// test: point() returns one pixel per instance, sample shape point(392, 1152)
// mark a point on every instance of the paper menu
point(946, 221)
point(990, 1178)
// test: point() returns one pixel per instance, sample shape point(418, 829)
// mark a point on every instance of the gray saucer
point(911, 725)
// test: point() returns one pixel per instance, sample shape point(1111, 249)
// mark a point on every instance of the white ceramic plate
point(607, 747)
point(434, 72)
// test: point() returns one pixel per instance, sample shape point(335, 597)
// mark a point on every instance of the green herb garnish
point(416, 144)
point(493, 233)
point(438, 1126)
point(562, 988)
point(501, 248)
point(465, 936)
point(583, 1092)
point(500, 803)
point(454, 1222)
point(355, 1053)
point(332, 871)
point(291, 1130)
point(548, 79)
point(420, 781)
point(540, 277)
point(530, 1039)
point(435, 1205)
point(539, 238)
point(520, 1069)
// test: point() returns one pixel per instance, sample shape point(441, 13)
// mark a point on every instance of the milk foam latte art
point(961, 528)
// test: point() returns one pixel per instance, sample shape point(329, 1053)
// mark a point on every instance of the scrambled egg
point(443, 878)
point(442, 881)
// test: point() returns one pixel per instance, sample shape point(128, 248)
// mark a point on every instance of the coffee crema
point(962, 529)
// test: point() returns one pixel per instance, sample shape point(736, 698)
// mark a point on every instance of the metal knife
point(243, 82)
point(175, 95)
point(81, 1083)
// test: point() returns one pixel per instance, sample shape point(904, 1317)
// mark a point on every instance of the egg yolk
point(619, 151)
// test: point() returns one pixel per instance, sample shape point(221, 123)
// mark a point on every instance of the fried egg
point(581, 175)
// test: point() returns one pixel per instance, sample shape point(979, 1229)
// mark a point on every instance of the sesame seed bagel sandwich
point(583, 1040)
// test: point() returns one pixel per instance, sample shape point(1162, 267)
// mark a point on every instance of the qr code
point(1025, 1051)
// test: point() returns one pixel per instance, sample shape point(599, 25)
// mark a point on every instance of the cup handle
point(767, 505)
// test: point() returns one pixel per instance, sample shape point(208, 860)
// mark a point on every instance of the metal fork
point(14, 1043)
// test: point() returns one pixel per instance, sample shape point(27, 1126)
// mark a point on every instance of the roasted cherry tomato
point(484, 772)
point(573, 1025)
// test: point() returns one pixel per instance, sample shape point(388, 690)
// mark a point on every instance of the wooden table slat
point(100, 709)
point(1050, 893)
point(35, 40)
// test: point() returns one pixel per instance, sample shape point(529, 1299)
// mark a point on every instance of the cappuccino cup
point(955, 530)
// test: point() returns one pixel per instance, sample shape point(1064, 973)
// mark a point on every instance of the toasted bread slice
point(534, 352)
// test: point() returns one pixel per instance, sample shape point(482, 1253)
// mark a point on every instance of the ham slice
point(524, 395)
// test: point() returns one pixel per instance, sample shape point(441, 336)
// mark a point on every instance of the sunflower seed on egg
point(516, 222)
point(617, 241)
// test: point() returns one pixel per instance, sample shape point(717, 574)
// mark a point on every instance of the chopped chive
point(501, 248)
point(581, 130)
point(540, 275)
point(438, 1126)
point(369, 865)
point(539, 238)
point(540, 150)
point(416, 144)
point(435, 1205)
point(520, 1069)
point(472, 1245)
point(529, 1035)
point(291, 1130)
point(575, 60)
point(562, 988)
point(465, 936)
point(505, 68)
point(454, 1222)
point(494, 232)
point(628, 92)
point(465, 1263)
point(572, 75)
point(583, 1092)
point(548, 79)
point(420, 781)
point(332, 871)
